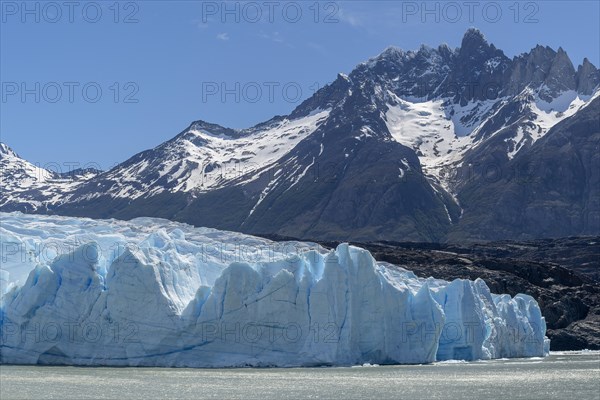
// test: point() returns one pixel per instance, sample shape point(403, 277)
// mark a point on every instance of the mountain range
point(436, 144)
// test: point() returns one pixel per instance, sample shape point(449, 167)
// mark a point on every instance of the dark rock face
point(553, 190)
point(561, 76)
point(478, 68)
point(550, 71)
point(562, 275)
point(588, 77)
point(531, 69)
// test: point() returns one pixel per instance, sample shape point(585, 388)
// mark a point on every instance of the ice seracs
point(151, 292)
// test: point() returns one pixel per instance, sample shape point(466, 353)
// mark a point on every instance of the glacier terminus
point(150, 292)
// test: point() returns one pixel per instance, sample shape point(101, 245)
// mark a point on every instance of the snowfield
point(441, 132)
point(150, 292)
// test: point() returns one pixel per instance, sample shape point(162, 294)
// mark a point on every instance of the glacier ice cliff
point(151, 292)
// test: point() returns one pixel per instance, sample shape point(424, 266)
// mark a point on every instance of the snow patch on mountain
point(437, 130)
point(18, 173)
point(23, 181)
point(550, 113)
point(440, 131)
point(201, 161)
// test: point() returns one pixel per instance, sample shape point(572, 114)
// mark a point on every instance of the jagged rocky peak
point(413, 73)
point(530, 69)
point(546, 69)
point(391, 53)
point(385, 66)
point(394, 57)
point(473, 39)
point(587, 77)
point(561, 76)
point(478, 67)
point(475, 71)
point(329, 96)
point(475, 50)
point(427, 54)
point(429, 72)
point(445, 50)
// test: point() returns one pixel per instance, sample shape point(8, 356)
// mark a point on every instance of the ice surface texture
point(150, 292)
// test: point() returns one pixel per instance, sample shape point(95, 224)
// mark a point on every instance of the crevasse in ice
point(151, 292)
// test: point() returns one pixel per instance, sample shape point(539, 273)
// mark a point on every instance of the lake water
point(574, 376)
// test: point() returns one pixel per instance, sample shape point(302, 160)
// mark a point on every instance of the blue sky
point(160, 65)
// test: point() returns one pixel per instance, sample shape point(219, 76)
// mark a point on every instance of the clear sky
point(161, 64)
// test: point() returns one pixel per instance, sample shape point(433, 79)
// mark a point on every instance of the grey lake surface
point(569, 375)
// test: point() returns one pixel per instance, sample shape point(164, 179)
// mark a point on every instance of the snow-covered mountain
point(18, 173)
point(398, 149)
point(204, 158)
point(31, 188)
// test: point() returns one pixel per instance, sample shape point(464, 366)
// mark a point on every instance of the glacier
point(151, 292)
